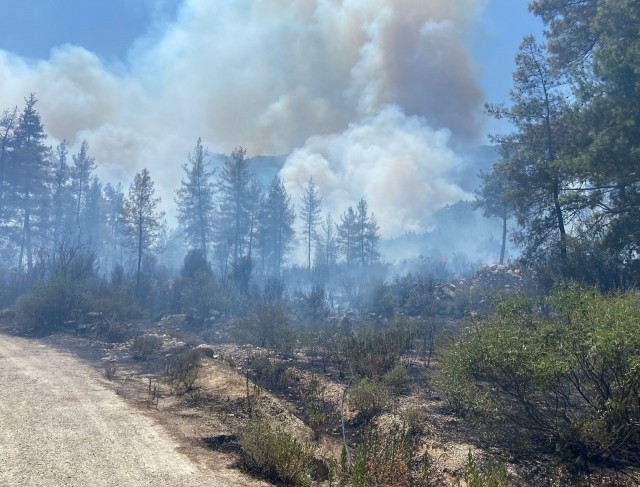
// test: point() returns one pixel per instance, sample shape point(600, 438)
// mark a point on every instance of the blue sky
point(372, 98)
point(31, 28)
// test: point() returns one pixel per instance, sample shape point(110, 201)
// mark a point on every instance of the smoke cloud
point(369, 97)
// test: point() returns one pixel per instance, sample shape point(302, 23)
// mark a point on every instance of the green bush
point(276, 455)
point(48, 306)
point(490, 476)
point(114, 302)
point(270, 326)
point(369, 397)
point(388, 459)
point(373, 353)
point(397, 379)
point(564, 370)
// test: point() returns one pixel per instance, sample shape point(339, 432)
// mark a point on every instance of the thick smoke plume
point(369, 97)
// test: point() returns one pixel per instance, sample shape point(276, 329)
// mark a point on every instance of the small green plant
point(397, 379)
point(414, 419)
point(387, 458)
point(271, 374)
point(563, 370)
point(276, 455)
point(491, 476)
point(317, 418)
point(369, 397)
point(47, 307)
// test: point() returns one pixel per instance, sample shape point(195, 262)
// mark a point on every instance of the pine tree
point(347, 236)
point(310, 213)
point(114, 223)
point(233, 206)
point(530, 156)
point(195, 200)
point(492, 198)
point(31, 177)
point(144, 223)
point(327, 242)
point(83, 166)
point(277, 226)
point(63, 204)
point(8, 122)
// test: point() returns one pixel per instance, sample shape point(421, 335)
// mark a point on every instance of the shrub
point(568, 376)
point(110, 370)
point(490, 476)
point(276, 455)
point(113, 331)
point(317, 419)
point(269, 374)
point(397, 379)
point(369, 397)
point(388, 459)
point(375, 353)
point(184, 369)
point(112, 301)
point(143, 346)
point(47, 307)
point(269, 327)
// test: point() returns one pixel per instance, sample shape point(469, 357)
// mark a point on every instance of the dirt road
point(61, 426)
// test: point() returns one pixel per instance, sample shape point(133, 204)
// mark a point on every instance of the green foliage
point(114, 302)
point(49, 305)
point(369, 397)
point(568, 376)
point(269, 374)
point(270, 326)
point(373, 353)
point(199, 295)
point(387, 459)
point(276, 455)
point(317, 419)
point(397, 379)
point(491, 476)
point(312, 306)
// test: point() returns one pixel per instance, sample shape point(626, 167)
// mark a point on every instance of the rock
point(206, 350)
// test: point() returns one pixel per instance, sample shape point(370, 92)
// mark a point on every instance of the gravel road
point(61, 426)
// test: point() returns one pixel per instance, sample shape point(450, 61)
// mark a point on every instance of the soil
point(62, 424)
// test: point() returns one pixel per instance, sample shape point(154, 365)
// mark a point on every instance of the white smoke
point(398, 163)
point(372, 94)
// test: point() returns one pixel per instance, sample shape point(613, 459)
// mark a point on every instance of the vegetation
point(562, 369)
point(276, 455)
point(555, 358)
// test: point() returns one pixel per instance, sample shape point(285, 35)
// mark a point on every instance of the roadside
point(61, 423)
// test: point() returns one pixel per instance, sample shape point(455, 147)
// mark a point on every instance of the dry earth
point(62, 425)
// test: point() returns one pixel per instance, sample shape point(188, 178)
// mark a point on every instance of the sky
point(374, 98)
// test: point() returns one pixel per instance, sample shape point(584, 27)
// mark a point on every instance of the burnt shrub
point(144, 346)
point(184, 369)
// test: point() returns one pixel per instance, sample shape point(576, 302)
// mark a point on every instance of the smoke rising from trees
point(275, 76)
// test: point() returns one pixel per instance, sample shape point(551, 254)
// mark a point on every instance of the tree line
point(49, 199)
point(569, 172)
